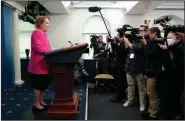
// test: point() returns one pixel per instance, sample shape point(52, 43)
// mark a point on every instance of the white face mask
point(171, 41)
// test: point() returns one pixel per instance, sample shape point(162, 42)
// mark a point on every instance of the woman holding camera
point(174, 76)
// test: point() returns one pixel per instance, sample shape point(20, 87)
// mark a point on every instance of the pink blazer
point(39, 45)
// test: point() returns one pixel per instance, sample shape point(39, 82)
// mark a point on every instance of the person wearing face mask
point(174, 76)
point(153, 54)
point(38, 68)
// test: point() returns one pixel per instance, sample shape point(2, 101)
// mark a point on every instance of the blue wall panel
point(7, 53)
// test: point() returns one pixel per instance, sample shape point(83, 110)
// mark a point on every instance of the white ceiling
point(172, 5)
point(22, 2)
point(131, 7)
point(55, 7)
point(94, 2)
point(143, 7)
point(104, 4)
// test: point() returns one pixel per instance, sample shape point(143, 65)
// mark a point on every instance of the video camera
point(168, 28)
point(162, 20)
point(123, 30)
point(93, 40)
point(129, 32)
point(174, 28)
point(94, 36)
point(161, 40)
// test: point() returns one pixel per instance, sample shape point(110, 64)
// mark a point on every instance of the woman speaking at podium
point(37, 65)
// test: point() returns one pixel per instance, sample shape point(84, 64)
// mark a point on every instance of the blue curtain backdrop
point(7, 55)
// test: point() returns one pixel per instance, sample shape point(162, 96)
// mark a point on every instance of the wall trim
point(26, 31)
point(169, 9)
point(106, 20)
point(93, 33)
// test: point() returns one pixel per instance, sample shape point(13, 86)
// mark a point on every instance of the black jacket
point(120, 56)
point(154, 60)
point(174, 62)
point(100, 46)
point(135, 59)
point(175, 56)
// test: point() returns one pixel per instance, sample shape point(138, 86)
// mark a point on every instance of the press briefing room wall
point(7, 54)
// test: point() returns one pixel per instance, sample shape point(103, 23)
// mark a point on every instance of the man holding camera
point(134, 68)
point(101, 47)
point(99, 52)
point(121, 51)
point(153, 55)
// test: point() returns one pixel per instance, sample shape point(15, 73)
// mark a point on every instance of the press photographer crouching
point(173, 83)
point(134, 66)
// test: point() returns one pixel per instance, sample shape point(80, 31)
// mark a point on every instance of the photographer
point(114, 45)
point(100, 47)
point(94, 43)
point(121, 51)
point(153, 55)
point(110, 53)
point(99, 53)
point(173, 83)
point(134, 68)
point(108, 46)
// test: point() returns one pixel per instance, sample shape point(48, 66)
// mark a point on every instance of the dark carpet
point(100, 108)
point(17, 103)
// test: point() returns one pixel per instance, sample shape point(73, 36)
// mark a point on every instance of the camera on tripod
point(93, 40)
point(94, 36)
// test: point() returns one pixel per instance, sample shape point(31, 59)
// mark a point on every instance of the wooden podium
point(62, 65)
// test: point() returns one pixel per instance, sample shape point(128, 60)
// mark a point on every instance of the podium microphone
point(70, 43)
point(96, 9)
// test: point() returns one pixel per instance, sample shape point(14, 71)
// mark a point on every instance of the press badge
point(131, 55)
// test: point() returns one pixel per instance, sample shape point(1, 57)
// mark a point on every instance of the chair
point(103, 80)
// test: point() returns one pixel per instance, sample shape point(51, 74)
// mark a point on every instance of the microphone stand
point(105, 23)
point(109, 36)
